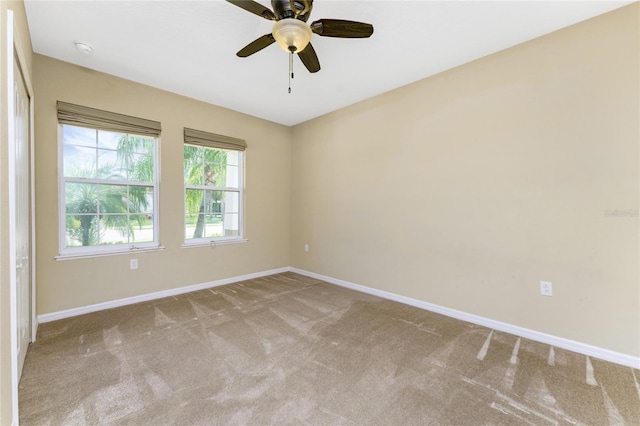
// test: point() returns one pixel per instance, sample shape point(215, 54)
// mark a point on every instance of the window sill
point(73, 256)
point(214, 243)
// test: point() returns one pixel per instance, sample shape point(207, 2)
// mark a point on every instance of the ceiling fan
point(291, 31)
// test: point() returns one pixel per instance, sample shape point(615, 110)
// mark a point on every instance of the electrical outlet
point(133, 264)
point(306, 247)
point(546, 288)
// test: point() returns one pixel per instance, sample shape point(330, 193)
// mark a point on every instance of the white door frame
point(14, 50)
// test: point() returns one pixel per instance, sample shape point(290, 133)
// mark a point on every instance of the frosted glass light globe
point(291, 34)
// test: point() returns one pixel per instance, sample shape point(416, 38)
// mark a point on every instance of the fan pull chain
point(290, 70)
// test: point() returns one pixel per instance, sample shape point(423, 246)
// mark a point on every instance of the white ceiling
point(188, 47)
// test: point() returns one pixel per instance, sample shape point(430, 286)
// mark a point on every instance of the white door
point(22, 214)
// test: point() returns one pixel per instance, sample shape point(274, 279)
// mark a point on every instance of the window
point(213, 173)
point(108, 182)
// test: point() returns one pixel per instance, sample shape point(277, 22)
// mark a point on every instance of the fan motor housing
point(282, 9)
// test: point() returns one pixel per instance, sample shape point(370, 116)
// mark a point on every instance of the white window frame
point(212, 241)
point(103, 250)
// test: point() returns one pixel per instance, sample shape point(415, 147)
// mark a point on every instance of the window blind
point(77, 115)
point(212, 140)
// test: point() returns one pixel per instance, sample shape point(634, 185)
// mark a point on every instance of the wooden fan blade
point(256, 45)
point(309, 58)
point(342, 29)
point(255, 8)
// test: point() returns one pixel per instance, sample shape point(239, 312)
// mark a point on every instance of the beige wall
point(468, 188)
point(77, 283)
point(24, 44)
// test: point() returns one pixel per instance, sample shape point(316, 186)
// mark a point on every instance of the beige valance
point(77, 115)
point(212, 140)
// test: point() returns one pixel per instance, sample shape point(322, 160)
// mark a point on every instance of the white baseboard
point(152, 296)
point(558, 342)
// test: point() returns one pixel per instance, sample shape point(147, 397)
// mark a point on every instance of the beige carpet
point(287, 349)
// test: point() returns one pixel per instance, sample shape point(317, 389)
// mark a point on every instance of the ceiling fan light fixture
point(291, 34)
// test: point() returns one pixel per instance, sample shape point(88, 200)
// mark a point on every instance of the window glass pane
point(141, 199)
point(203, 226)
point(141, 228)
point(82, 136)
point(194, 201)
point(214, 174)
point(109, 165)
point(141, 145)
point(111, 140)
point(114, 229)
point(202, 219)
point(81, 230)
point(79, 161)
point(190, 228)
point(193, 160)
point(193, 204)
point(214, 202)
point(113, 199)
point(233, 158)
point(80, 198)
point(212, 228)
point(216, 215)
point(214, 163)
point(230, 213)
point(231, 201)
point(233, 176)
point(141, 167)
point(212, 217)
point(231, 222)
point(212, 155)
